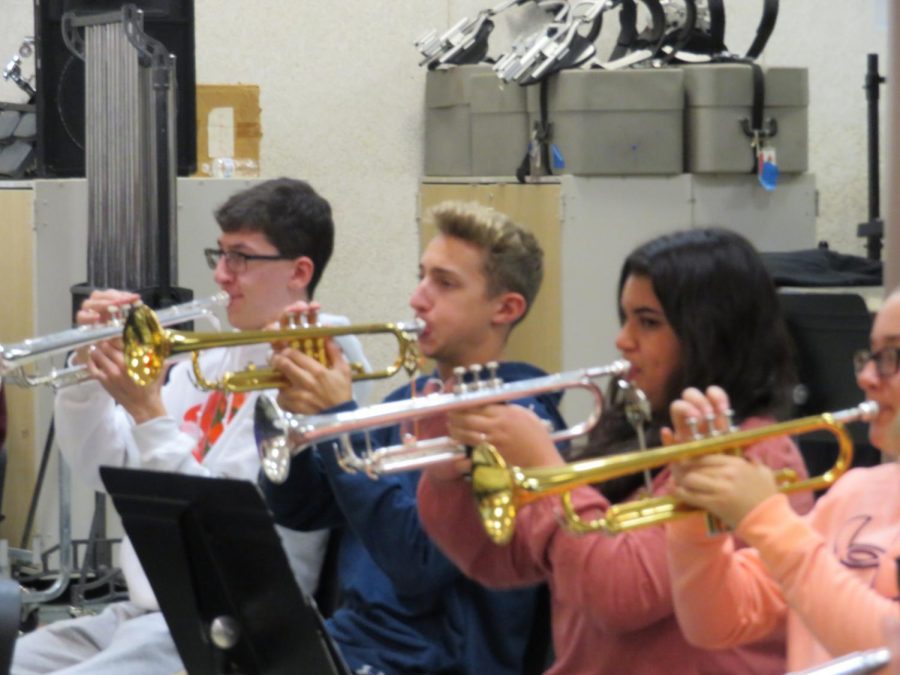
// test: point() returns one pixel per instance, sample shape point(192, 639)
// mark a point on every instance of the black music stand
point(220, 574)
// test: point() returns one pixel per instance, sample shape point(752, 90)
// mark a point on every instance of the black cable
point(35, 496)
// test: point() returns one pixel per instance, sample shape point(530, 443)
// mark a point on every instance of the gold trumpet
point(147, 345)
point(500, 491)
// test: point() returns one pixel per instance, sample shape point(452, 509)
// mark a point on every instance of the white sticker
point(220, 131)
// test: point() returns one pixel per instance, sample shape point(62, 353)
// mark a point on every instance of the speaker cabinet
point(60, 80)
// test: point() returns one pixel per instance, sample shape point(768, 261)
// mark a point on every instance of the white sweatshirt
point(93, 431)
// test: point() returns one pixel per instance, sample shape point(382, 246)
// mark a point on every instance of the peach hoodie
point(832, 572)
point(611, 600)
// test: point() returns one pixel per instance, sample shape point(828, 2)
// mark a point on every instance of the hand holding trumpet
point(312, 385)
point(106, 362)
point(728, 486)
point(520, 436)
point(101, 307)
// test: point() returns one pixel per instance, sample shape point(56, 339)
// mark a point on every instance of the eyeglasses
point(887, 361)
point(235, 261)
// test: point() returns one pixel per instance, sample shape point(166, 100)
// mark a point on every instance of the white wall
point(832, 39)
point(342, 106)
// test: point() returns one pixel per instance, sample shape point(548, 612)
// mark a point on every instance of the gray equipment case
point(719, 96)
point(641, 121)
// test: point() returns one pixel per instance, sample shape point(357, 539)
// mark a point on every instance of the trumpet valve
point(493, 380)
point(694, 429)
point(459, 380)
point(475, 370)
point(315, 347)
point(115, 315)
point(711, 429)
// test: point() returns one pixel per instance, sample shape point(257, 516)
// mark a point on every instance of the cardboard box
point(228, 122)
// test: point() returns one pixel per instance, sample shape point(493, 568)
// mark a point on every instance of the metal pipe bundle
point(130, 149)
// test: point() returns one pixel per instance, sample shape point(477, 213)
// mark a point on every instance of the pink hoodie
point(832, 572)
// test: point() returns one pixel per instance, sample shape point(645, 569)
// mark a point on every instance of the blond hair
point(513, 260)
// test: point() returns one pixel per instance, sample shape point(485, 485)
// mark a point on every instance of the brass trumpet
point(280, 435)
point(147, 345)
point(500, 491)
point(16, 358)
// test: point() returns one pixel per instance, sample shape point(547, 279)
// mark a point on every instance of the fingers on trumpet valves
point(107, 306)
point(300, 315)
point(713, 424)
point(117, 313)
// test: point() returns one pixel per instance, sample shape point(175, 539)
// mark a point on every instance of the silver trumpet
point(855, 663)
point(281, 435)
point(14, 358)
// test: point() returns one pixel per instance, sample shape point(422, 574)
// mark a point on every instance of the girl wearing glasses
point(832, 573)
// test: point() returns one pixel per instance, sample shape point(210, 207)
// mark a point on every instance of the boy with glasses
point(276, 240)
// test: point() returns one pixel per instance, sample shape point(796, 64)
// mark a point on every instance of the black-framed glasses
point(887, 361)
point(235, 261)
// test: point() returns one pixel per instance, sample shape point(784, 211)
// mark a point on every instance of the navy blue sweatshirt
point(404, 607)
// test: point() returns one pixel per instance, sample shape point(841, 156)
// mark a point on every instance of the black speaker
point(60, 80)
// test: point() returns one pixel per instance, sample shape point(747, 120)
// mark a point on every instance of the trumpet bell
point(271, 439)
point(494, 493)
point(144, 347)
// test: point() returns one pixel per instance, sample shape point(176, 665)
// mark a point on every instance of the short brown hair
point(513, 261)
point(292, 216)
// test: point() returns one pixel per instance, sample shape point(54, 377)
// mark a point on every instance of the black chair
point(539, 654)
point(827, 329)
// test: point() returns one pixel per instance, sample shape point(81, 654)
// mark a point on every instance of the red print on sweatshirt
point(206, 421)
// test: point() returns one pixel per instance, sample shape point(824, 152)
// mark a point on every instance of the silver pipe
point(61, 583)
point(855, 663)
